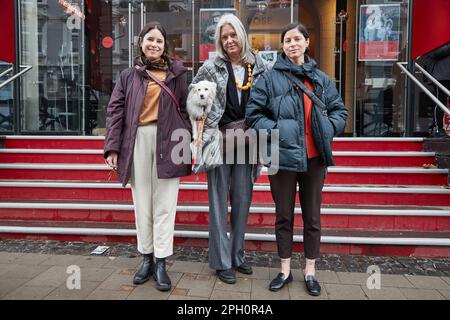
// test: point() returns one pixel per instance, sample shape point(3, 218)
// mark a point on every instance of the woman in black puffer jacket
point(306, 127)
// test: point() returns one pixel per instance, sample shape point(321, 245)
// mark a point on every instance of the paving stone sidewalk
point(31, 269)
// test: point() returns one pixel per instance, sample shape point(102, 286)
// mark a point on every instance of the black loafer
point(244, 268)
point(279, 282)
point(226, 276)
point(312, 286)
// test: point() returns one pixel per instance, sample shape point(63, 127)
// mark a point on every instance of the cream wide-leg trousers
point(155, 200)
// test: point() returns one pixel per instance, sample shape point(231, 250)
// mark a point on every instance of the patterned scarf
point(160, 64)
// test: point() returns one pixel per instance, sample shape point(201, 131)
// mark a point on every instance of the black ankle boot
point(160, 275)
point(145, 271)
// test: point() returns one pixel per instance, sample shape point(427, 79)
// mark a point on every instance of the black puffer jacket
point(275, 104)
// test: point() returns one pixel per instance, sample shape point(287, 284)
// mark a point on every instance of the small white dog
point(199, 104)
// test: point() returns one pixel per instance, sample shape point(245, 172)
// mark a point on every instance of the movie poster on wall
point(379, 32)
point(208, 22)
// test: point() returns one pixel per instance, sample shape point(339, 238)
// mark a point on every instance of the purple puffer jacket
point(122, 120)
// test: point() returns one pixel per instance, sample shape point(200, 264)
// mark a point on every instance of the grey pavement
point(45, 276)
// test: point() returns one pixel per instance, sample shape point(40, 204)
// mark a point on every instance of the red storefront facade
point(77, 48)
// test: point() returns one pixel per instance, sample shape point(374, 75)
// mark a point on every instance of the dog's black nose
point(202, 96)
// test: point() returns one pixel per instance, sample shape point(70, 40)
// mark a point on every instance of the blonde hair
point(246, 54)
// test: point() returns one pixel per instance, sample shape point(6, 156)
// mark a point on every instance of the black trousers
point(283, 186)
point(438, 112)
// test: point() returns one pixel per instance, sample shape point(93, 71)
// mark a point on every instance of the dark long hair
point(301, 28)
point(150, 26)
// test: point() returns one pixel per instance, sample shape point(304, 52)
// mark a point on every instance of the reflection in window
point(380, 86)
point(51, 90)
point(6, 99)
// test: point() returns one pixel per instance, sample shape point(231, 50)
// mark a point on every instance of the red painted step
point(353, 159)
point(57, 175)
point(383, 161)
point(328, 221)
point(398, 176)
point(377, 144)
point(339, 144)
point(73, 142)
point(76, 158)
point(331, 194)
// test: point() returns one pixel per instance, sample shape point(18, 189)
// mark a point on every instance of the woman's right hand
point(111, 160)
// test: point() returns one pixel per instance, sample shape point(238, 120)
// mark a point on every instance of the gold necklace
point(249, 80)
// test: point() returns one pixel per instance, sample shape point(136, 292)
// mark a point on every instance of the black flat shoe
point(279, 282)
point(312, 286)
point(244, 268)
point(226, 276)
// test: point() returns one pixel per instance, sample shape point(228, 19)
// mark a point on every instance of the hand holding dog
point(199, 103)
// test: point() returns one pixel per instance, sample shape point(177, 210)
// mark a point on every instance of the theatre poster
point(379, 32)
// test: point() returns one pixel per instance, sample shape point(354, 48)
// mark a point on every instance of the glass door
point(176, 17)
point(110, 26)
point(112, 29)
point(52, 43)
point(380, 86)
point(6, 98)
point(77, 50)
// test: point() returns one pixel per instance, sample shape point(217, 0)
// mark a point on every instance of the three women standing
point(302, 103)
point(149, 103)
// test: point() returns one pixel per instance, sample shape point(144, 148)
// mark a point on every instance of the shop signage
point(107, 42)
point(379, 32)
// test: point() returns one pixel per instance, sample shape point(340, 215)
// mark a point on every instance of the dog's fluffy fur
point(199, 103)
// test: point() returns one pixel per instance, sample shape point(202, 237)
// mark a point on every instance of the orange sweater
point(311, 149)
point(149, 109)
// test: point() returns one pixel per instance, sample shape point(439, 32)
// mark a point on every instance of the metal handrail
point(27, 68)
point(421, 86)
point(433, 79)
point(6, 71)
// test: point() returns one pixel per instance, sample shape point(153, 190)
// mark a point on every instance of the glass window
point(109, 51)
point(264, 21)
point(51, 92)
point(6, 98)
point(380, 86)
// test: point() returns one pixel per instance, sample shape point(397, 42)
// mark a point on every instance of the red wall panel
point(431, 25)
point(7, 30)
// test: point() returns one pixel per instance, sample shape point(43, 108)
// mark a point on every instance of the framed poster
point(379, 32)
point(207, 26)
